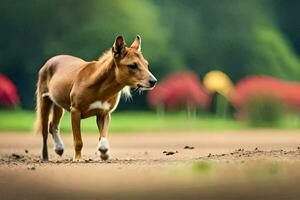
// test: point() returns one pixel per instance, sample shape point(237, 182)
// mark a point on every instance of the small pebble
point(16, 156)
point(26, 151)
point(189, 147)
point(170, 153)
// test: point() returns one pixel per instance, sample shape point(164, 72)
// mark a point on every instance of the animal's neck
point(106, 79)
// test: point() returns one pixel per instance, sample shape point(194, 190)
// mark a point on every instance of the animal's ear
point(119, 46)
point(137, 44)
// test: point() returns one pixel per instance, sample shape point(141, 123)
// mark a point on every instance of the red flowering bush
point(8, 92)
point(179, 90)
point(263, 99)
point(254, 86)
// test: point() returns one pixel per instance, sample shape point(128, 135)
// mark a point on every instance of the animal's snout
point(152, 81)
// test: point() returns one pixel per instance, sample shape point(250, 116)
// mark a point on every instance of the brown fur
point(73, 84)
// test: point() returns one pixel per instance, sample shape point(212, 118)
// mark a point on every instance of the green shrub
point(265, 111)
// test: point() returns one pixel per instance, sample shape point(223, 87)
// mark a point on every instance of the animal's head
point(132, 67)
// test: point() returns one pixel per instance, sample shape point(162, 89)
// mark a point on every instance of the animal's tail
point(38, 111)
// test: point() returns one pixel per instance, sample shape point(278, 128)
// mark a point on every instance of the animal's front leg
point(75, 117)
point(103, 125)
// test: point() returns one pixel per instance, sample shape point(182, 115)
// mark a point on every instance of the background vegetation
point(238, 37)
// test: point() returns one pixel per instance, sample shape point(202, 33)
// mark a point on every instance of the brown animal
point(88, 89)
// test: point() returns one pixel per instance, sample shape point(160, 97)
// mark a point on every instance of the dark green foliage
point(33, 31)
point(235, 36)
point(265, 111)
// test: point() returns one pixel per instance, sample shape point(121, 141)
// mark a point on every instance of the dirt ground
point(261, 164)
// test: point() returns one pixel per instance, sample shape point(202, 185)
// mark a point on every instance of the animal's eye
point(133, 66)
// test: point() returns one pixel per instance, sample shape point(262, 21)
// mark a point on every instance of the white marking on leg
point(103, 147)
point(99, 105)
point(59, 145)
point(103, 144)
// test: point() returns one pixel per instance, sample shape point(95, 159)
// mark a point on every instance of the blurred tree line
point(239, 37)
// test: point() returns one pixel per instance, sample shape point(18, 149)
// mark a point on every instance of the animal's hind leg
point(57, 113)
point(75, 118)
point(46, 104)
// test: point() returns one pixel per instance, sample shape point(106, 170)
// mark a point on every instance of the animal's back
point(61, 62)
point(58, 75)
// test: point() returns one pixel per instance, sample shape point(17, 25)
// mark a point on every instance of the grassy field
point(19, 120)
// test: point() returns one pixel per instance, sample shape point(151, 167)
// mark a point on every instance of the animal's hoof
point(103, 150)
point(45, 159)
point(45, 156)
point(77, 157)
point(59, 151)
point(77, 160)
point(104, 156)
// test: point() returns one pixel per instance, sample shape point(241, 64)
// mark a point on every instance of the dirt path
point(249, 164)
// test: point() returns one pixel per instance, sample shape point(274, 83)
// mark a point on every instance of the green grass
point(18, 120)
